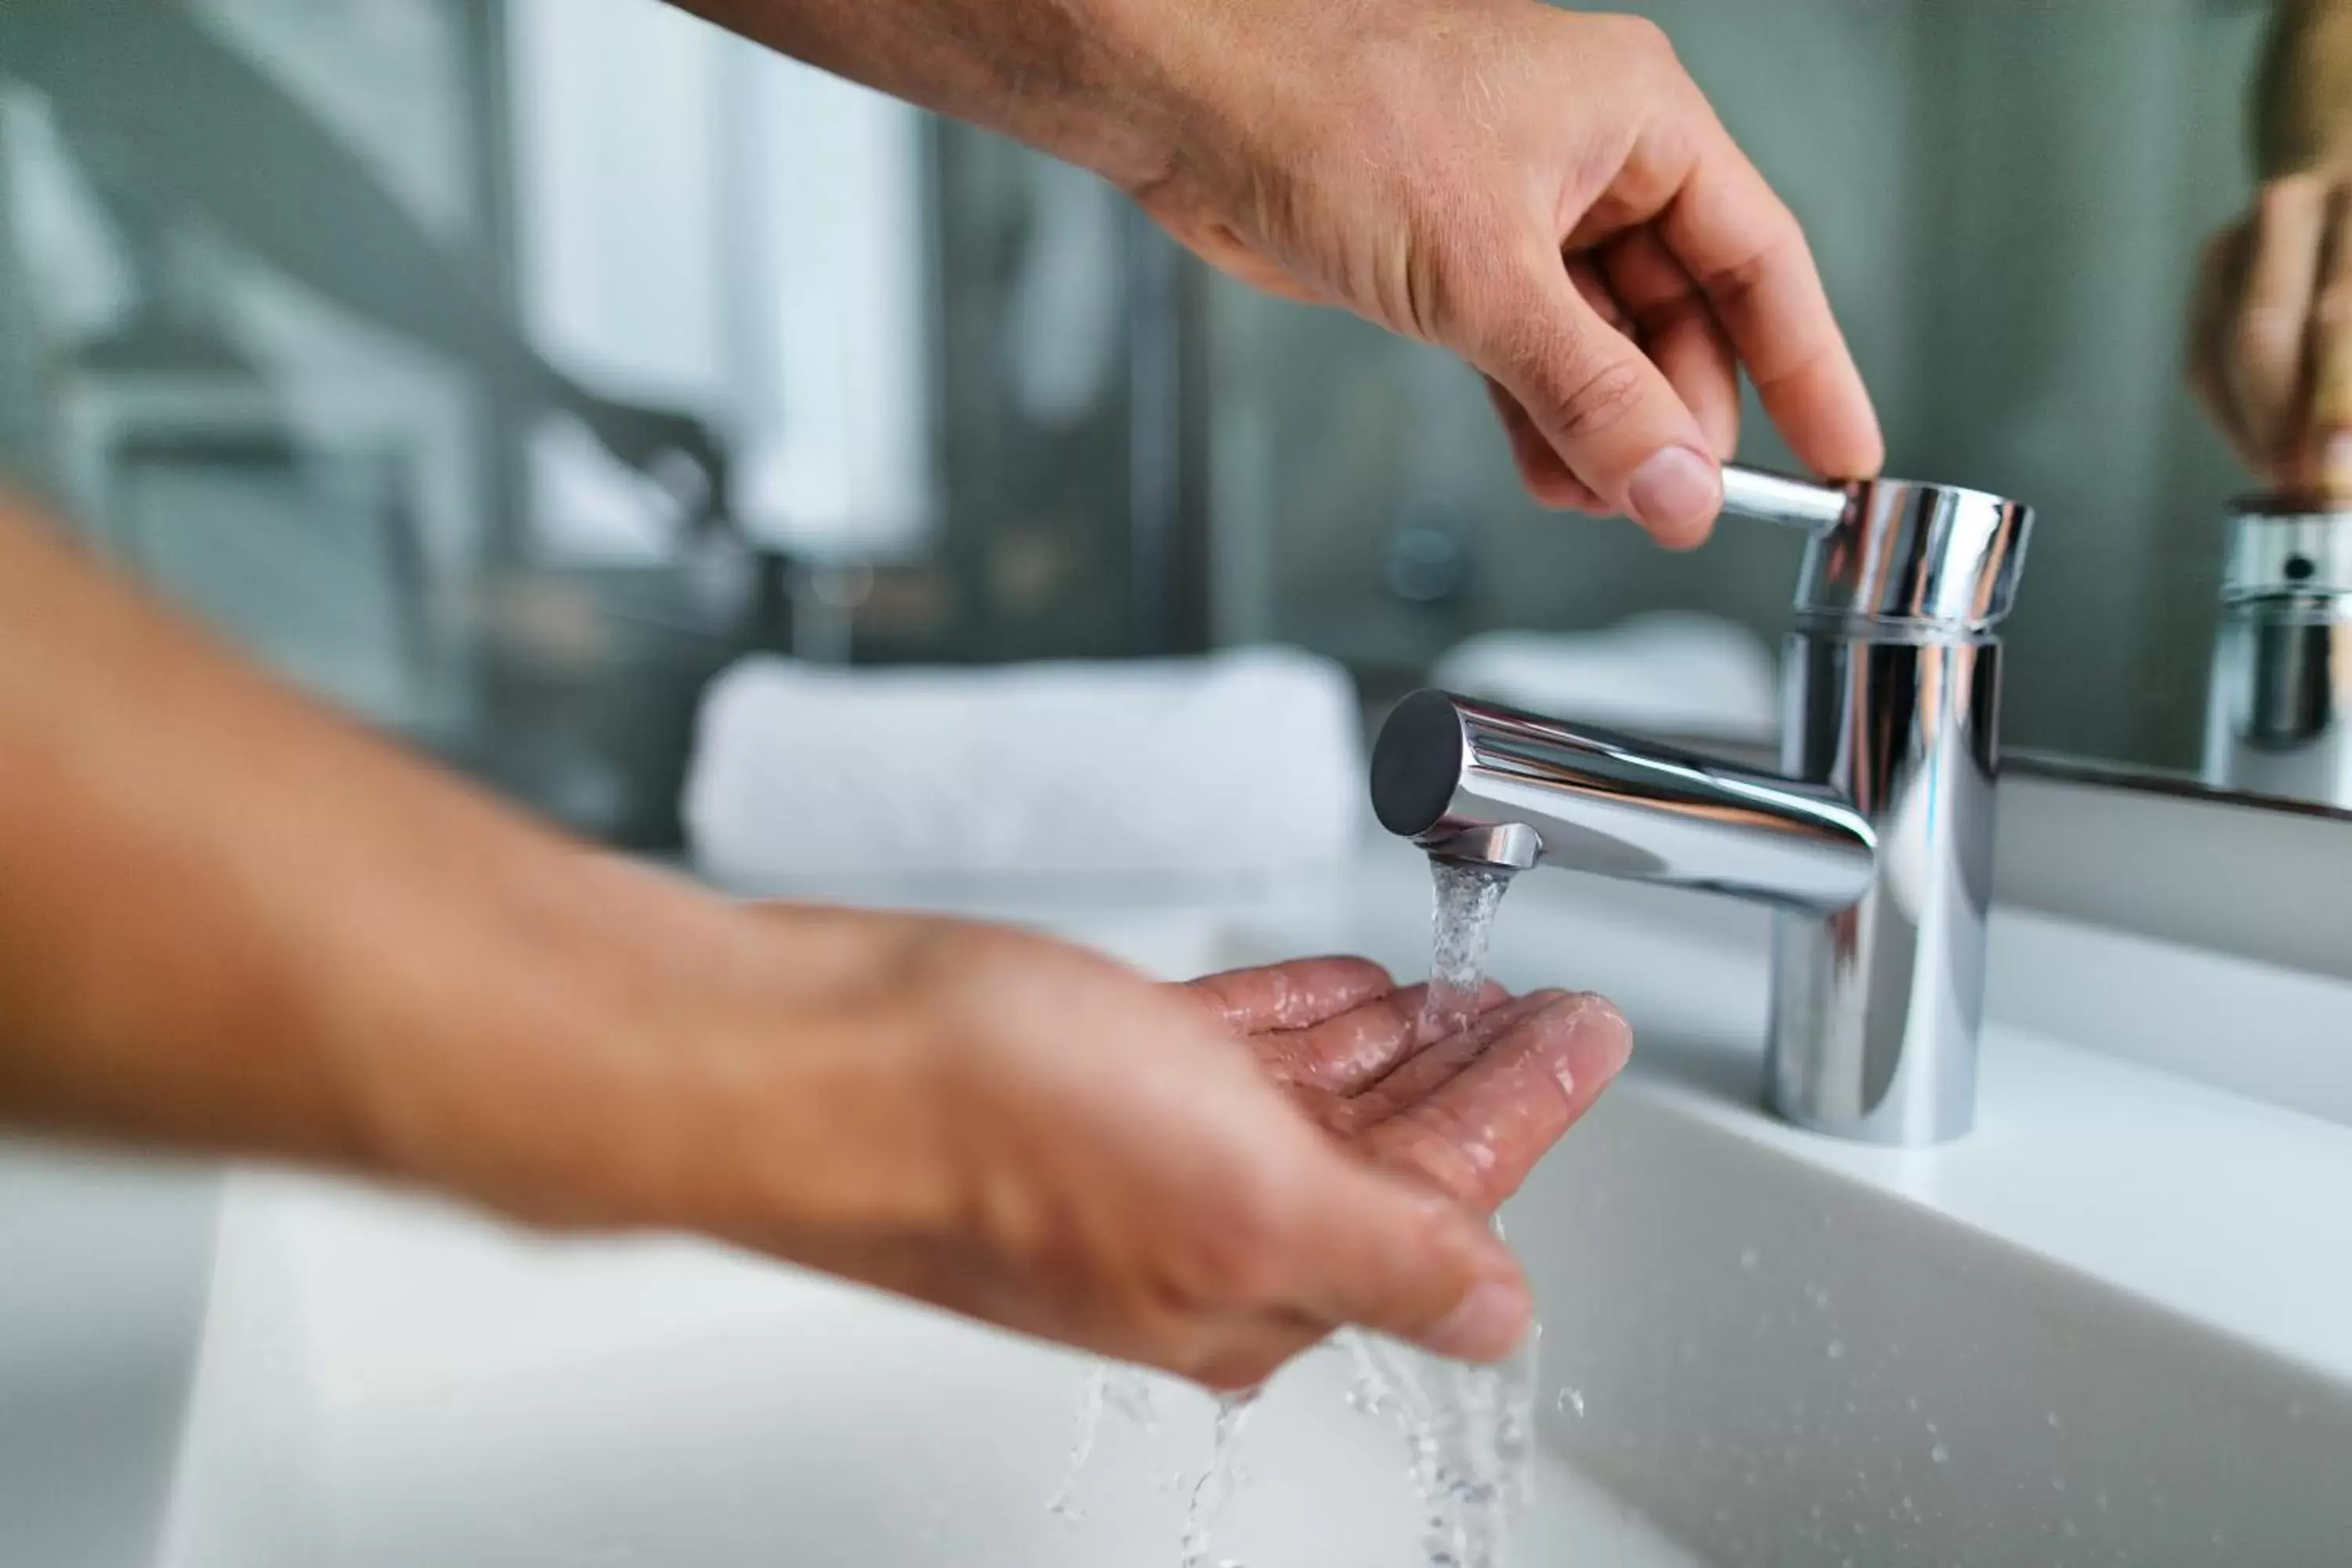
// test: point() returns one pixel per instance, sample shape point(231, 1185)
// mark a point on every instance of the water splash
point(1469, 1434)
point(1110, 1387)
point(1470, 1429)
point(1462, 931)
point(1216, 1484)
point(1063, 1503)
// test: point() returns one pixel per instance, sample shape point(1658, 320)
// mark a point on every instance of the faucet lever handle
point(1816, 510)
point(1894, 553)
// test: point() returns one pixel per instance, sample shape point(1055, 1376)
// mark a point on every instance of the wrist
point(492, 1027)
point(600, 1046)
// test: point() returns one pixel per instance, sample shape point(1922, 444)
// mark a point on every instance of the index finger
point(1294, 995)
point(1747, 254)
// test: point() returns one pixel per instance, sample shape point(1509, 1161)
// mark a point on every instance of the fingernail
point(1676, 494)
point(1487, 1327)
point(1600, 1040)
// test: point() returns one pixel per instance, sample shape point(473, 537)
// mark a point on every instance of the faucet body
point(1873, 845)
point(2278, 714)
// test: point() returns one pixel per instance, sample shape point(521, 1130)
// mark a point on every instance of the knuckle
point(1779, 248)
point(1642, 39)
point(2290, 197)
point(1439, 1154)
point(2264, 334)
point(2331, 314)
point(1601, 400)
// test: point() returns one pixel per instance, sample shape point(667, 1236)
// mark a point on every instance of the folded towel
point(1240, 767)
point(1671, 673)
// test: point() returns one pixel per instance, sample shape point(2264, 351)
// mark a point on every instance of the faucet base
point(1876, 1009)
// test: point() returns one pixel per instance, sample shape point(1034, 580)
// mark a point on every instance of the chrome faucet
point(2275, 713)
point(1874, 843)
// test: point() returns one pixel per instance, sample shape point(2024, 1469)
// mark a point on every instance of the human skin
point(2270, 335)
point(1501, 177)
point(233, 924)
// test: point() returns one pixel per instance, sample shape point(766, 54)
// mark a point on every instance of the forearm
point(231, 922)
point(1117, 85)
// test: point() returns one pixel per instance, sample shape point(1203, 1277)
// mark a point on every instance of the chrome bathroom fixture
point(2275, 710)
point(1874, 843)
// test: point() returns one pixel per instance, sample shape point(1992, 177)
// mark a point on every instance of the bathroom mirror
point(1074, 442)
point(2014, 204)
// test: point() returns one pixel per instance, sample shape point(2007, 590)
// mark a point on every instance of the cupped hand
point(1206, 1178)
point(1545, 191)
point(2271, 335)
point(1211, 1179)
point(1466, 1111)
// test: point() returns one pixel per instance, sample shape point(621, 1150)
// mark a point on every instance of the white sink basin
point(103, 1272)
point(2116, 1326)
point(466, 1396)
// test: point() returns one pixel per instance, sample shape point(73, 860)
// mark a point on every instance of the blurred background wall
point(503, 370)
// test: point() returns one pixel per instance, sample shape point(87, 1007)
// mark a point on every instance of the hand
point(2270, 335)
point(357, 964)
point(1470, 1113)
point(1208, 1178)
point(1546, 193)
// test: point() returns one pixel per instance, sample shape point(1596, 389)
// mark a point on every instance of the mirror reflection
point(582, 392)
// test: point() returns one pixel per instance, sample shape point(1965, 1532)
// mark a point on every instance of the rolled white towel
point(1241, 767)
point(1671, 673)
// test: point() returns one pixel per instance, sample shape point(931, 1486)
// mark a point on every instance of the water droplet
point(1837, 1350)
point(1940, 1453)
point(2052, 1418)
point(1571, 1399)
point(1063, 1503)
point(1910, 1402)
point(1748, 1259)
point(2100, 1502)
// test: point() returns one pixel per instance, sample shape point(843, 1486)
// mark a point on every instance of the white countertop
point(2156, 1147)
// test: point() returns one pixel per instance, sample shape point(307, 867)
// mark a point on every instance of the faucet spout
point(1874, 843)
point(1457, 776)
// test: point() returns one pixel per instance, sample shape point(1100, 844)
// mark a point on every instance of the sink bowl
point(2115, 1326)
point(464, 1395)
point(105, 1265)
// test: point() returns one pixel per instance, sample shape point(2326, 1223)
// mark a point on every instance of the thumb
point(1599, 401)
point(1407, 1262)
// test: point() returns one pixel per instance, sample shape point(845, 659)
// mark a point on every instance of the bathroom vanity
point(2112, 1325)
